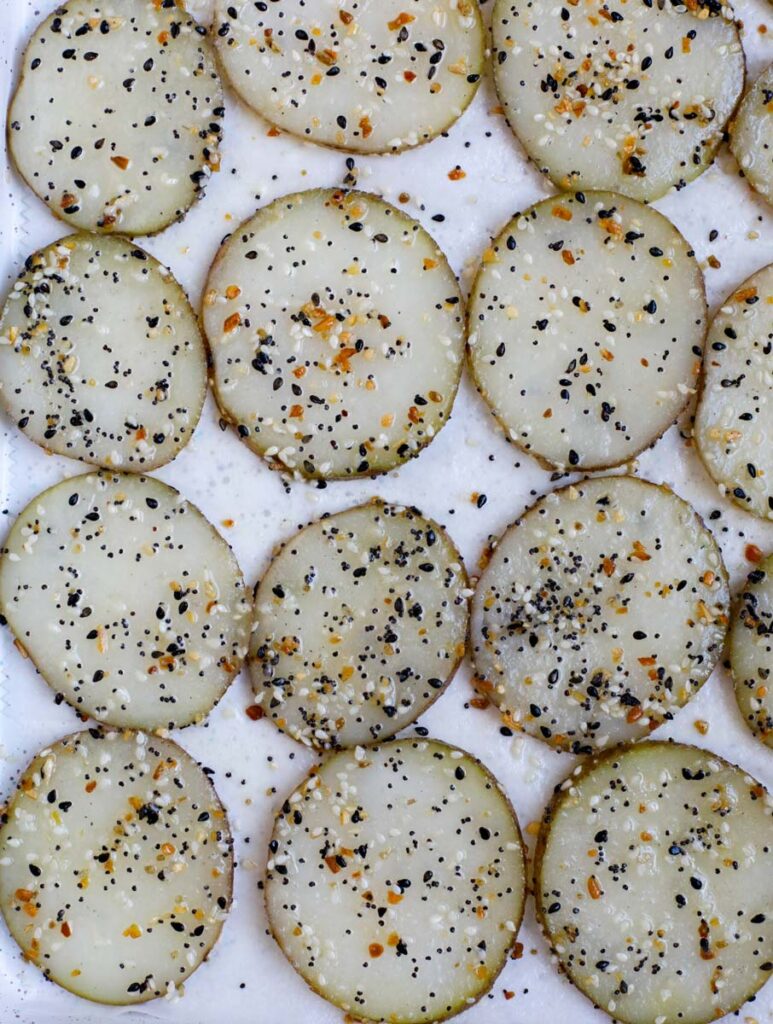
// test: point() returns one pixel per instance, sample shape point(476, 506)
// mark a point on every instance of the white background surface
point(254, 765)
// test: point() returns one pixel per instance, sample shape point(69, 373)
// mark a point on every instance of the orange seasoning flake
point(231, 322)
point(562, 212)
point(752, 553)
point(640, 552)
point(745, 294)
point(402, 19)
point(594, 889)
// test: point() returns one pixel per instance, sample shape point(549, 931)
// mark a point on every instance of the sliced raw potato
point(127, 600)
point(336, 331)
point(654, 883)
point(752, 135)
point(116, 865)
point(360, 623)
point(734, 422)
point(600, 613)
point(115, 122)
point(751, 651)
point(629, 97)
point(101, 357)
point(395, 881)
point(373, 76)
point(586, 328)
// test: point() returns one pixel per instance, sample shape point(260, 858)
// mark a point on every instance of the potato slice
point(117, 865)
point(734, 422)
point(586, 328)
point(101, 356)
point(751, 651)
point(609, 95)
point(127, 600)
point(360, 623)
point(115, 122)
point(335, 325)
point(654, 883)
point(752, 135)
point(374, 76)
point(395, 882)
point(600, 613)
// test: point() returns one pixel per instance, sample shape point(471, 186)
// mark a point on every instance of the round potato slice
point(373, 76)
point(600, 613)
point(129, 603)
point(360, 623)
point(116, 865)
point(654, 883)
point(734, 421)
point(115, 122)
point(336, 331)
point(751, 651)
point(395, 882)
point(611, 95)
point(586, 328)
point(101, 357)
point(752, 136)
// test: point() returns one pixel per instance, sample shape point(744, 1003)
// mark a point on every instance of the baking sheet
point(247, 979)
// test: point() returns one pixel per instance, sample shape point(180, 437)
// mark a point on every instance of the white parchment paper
point(247, 980)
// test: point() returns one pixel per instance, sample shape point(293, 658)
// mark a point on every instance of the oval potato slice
point(117, 865)
point(116, 120)
point(127, 600)
point(335, 327)
point(101, 356)
point(360, 623)
point(609, 95)
point(654, 883)
point(395, 881)
point(372, 76)
point(601, 611)
point(586, 328)
point(751, 651)
point(752, 135)
point(734, 420)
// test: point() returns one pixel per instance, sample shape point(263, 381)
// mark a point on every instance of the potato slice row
point(600, 613)
point(101, 356)
point(115, 123)
point(127, 600)
point(360, 624)
point(116, 866)
point(373, 76)
point(395, 882)
point(585, 332)
point(654, 883)
point(751, 651)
